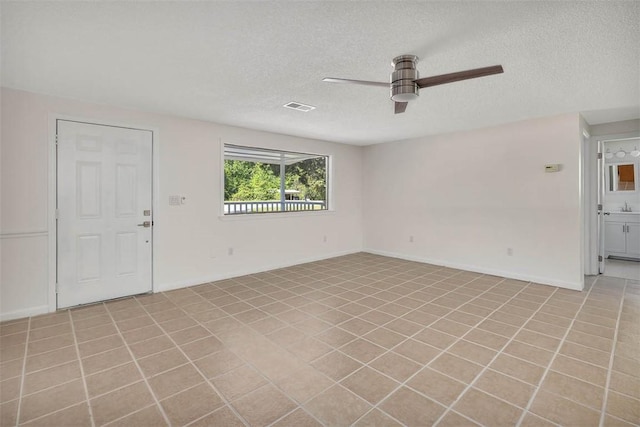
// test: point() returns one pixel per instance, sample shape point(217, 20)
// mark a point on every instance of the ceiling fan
point(405, 82)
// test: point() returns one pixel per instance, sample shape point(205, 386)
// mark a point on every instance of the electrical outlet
point(230, 251)
point(324, 239)
point(410, 239)
point(510, 251)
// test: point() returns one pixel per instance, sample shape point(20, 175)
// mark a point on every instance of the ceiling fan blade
point(358, 82)
point(460, 75)
point(400, 107)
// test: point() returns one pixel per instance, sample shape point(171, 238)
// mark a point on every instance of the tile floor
point(357, 340)
point(622, 268)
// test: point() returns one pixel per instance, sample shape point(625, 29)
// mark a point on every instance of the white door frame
point(599, 230)
point(53, 194)
point(592, 240)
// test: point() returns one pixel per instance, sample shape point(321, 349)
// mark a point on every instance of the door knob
point(145, 224)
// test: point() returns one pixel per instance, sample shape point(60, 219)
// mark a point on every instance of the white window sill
point(274, 215)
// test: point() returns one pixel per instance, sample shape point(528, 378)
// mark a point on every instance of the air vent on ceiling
point(300, 107)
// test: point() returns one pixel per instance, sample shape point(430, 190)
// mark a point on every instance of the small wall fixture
point(608, 154)
point(299, 106)
point(552, 168)
point(635, 152)
point(621, 153)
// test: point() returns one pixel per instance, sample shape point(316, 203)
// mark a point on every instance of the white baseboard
point(44, 309)
point(577, 286)
point(162, 287)
point(27, 312)
point(574, 286)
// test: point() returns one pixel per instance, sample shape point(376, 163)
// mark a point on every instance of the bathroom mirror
point(621, 177)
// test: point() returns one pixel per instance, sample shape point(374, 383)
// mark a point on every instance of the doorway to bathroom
point(619, 207)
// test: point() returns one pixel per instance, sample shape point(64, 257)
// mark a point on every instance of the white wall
point(190, 241)
point(467, 197)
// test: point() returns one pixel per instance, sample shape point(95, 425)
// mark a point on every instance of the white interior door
point(104, 188)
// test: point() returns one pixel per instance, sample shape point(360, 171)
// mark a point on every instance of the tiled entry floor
point(360, 339)
point(622, 268)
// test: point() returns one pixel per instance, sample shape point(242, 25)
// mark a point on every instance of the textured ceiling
point(237, 63)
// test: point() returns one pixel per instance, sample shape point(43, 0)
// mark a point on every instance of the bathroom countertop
point(624, 213)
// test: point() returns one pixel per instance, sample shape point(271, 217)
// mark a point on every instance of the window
point(259, 181)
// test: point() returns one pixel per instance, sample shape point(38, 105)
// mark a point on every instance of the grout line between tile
point(152, 405)
point(334, 383)
point(498, 352)
point(299, 405)
point(53, 386)
point(386, 276)
point(442, 351)
point(612, 357)
point(555, 355)
point(24, 373)
point(135, 361)
point(50, 413)
point(302, 408)
point(206, 380)
point(82, 376)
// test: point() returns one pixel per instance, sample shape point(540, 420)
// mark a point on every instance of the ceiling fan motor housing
point(403, 85)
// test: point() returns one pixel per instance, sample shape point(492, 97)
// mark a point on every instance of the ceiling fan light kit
point(403, 79)
point(405, 82)
point(621, 154)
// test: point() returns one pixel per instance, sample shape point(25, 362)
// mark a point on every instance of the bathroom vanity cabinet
point(622, 234)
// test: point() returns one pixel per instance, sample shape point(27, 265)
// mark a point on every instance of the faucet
point(626, 207)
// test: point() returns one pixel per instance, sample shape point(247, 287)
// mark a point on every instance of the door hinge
point(599, 258)
point(599, 156)
point(56, 139)
point(57, 287)
point(57, 213)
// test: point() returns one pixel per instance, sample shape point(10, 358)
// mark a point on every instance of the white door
point(104, 199)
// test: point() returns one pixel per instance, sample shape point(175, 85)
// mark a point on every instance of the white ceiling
point(238, 62)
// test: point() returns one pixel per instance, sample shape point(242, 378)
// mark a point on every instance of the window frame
point(328, 205)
